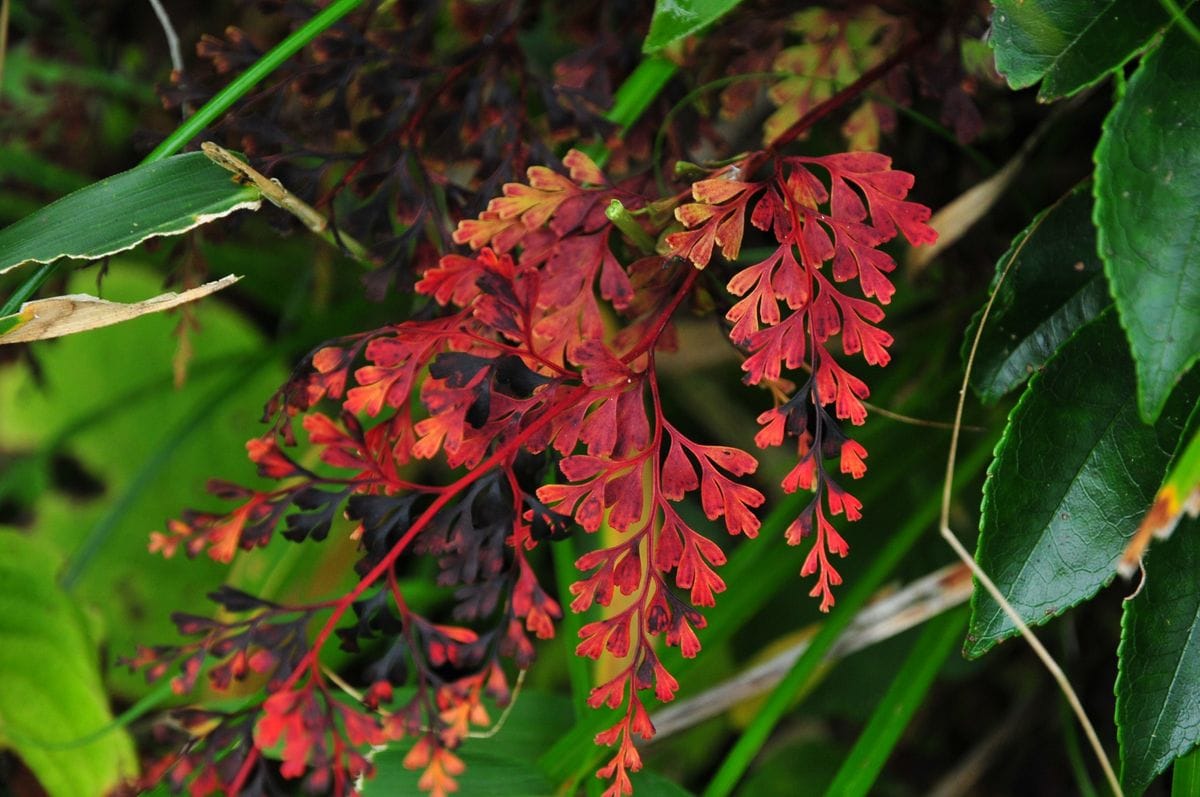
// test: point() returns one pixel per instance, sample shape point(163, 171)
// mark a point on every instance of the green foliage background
point(1096, 323)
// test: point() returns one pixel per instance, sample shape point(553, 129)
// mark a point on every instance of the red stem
point(446, 495)
point(651, 337)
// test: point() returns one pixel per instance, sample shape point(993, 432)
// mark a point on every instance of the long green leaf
point(1185, 776)
point(896, 709)
point(1147, 182)
point(675, 19)
point(212, 109)
point(51, 691)
point(168, 197)
point(1074, 472)
point(1055, 286)
point(1069, 44)
point(1158, 680)
point(751, 741)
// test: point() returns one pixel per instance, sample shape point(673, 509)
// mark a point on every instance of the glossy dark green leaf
point(1074, 472)
point(51, 692)
point(674, 19)
point(1158, 681)
point(1147, 189)
point(1069, 44)
point(1055, 286)
point(167, 197)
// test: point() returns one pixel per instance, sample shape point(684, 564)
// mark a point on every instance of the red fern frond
point(791, 307)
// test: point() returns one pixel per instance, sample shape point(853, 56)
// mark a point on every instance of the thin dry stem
point(3, 40)
point(910, 420)
point(172, 37)
point(890, 615)
point(982, 577)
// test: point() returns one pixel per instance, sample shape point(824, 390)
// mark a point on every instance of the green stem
point(619, 215)
point(982, 161)
point(893, 713)
point(1181, 19)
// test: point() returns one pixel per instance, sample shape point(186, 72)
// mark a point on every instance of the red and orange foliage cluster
point(520, 405)
point(531, 376)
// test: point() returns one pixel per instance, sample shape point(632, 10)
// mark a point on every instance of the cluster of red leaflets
point(532, 379)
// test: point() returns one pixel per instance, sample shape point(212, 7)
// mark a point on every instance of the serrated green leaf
point(1147, 185)
point(1180, 492)
point(1054, 287)
point(167, 197)
point(1158, 677)
point(1069, 44)
point(1073, 474)
point(674, 19)
point(51, 691)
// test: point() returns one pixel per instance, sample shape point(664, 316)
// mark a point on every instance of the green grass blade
point(578, 668)
point(165, 198)
point(674, 20)
point(632, 99)
point(905, 695)
point(1185, 776)
point(807, 666)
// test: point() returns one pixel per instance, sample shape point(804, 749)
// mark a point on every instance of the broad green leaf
point(51, 692)
point(108, 404)
point(167, 197)
point(1073, 474)
point(1055, 286)
point(674, 19)
point(1158, 678)
point(1147, 185)
point(1179, 493)
point(1069, 44)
